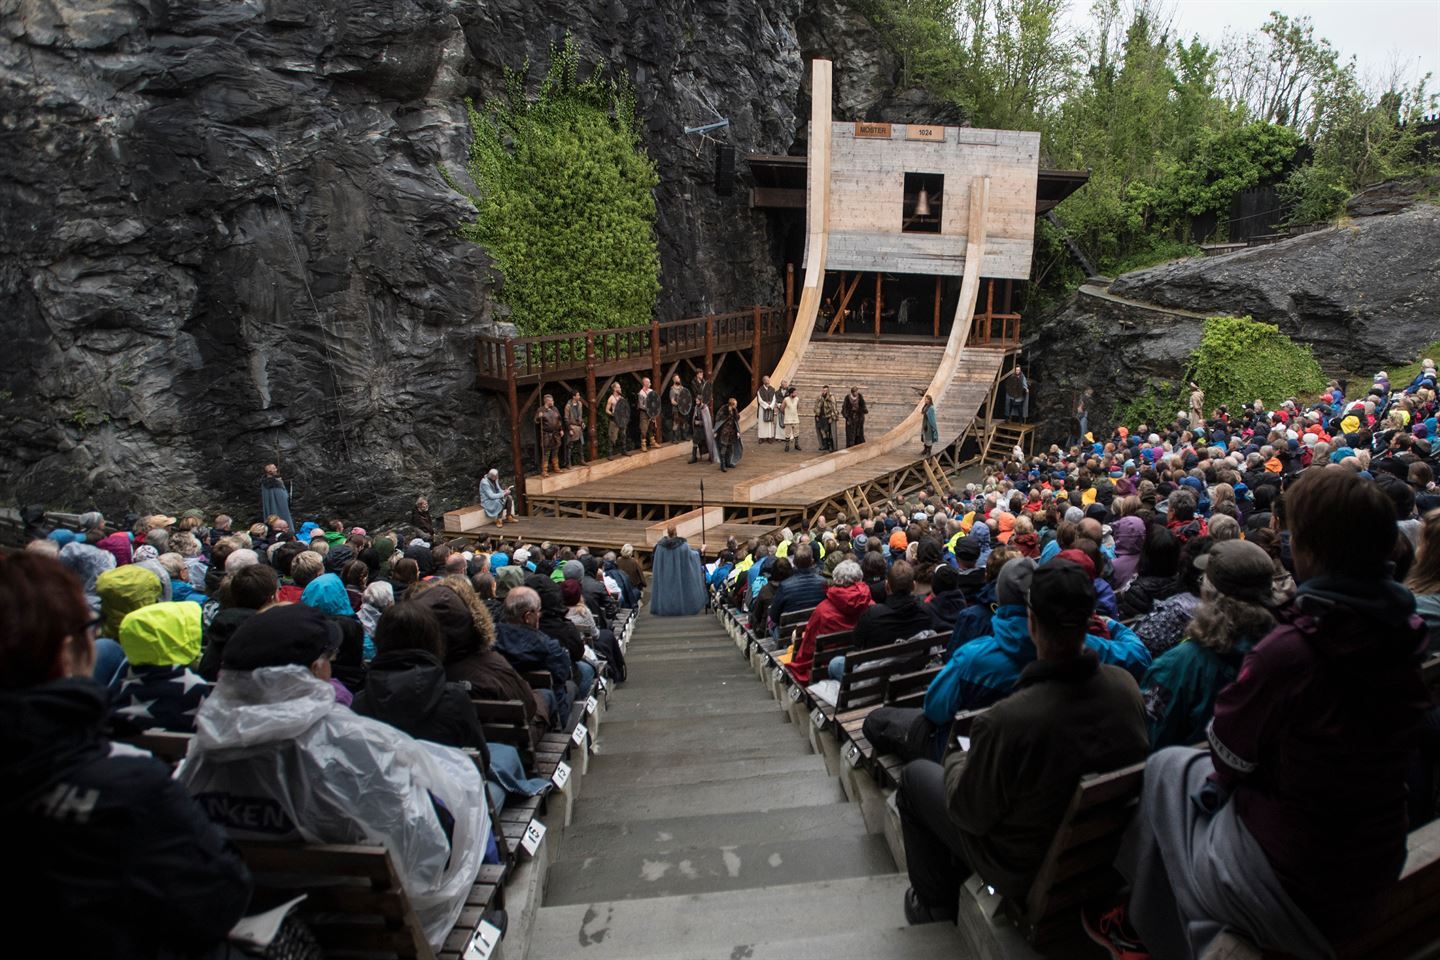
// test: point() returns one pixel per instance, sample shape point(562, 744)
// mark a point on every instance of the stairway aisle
point(708, 828)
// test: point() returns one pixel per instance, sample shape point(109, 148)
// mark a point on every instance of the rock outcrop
point(225, 238)
point(1364, 295)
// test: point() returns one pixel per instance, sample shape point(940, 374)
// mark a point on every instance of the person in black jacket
point(1155, 578)
point(406, 686)
point(105, 847)
point(557, 626)
point(899, 616)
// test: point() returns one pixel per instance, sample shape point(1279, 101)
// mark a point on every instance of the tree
point(566, 208)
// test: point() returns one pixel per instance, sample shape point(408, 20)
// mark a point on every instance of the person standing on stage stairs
point(826, 414)
point(768, 422)
point(791, 407)
point(854, 411)
point(929, 428)
point(550, 433)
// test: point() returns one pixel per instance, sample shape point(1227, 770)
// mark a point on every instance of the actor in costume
point(727, 434)
point(702, 429)
point(681, 407)
point(854, 411)
point(769, 420)
point(929, 427)
point(826, 413)
point(677, 582)
point(704, 390)
point(791, 408)
point(498, 502)
point(1017, 393)
point(574, 430)
point(647, 406)
point(617, 408)
point(275, 495)
point(550, 433)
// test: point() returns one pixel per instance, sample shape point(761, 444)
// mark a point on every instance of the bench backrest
point(1408, 921)
point(908, 689)
point(828, 646)
point(868, 672)
point(167, 745)
point(1430, 674)
point(1082, 852)
point(539, 679)
point(354, 899)
point(504, 721)
point(791, 619)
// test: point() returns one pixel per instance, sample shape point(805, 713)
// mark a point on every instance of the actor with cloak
point(275, 496)
point(769, 419)
point(677, 582)
point(702, 434)
point(929, 427)
point(498, 502)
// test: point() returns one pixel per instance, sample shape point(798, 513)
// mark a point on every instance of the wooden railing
point(558, 356)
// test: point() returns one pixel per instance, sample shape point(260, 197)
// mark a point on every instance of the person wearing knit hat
point(574, 570)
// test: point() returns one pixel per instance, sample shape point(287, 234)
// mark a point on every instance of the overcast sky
point(1376, 32)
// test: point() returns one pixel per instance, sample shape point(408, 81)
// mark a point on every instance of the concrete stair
point(708, 828)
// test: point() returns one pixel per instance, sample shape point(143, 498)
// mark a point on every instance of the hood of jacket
point(1011, 629)
point(337, 557)
point(1129, 533)
point(44, 731)
point(162, 634)
point(851, 599)
point(87, 563)
point(405, 683)
point(122, 590)
point(1342, 615)
point(327, 594)
point(118, 546)
point(250, 707)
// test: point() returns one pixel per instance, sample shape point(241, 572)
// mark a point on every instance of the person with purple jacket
point(1292, 828)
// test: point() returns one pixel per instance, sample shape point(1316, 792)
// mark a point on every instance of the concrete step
point(642, 705)
point(722, 730)
point(717, 925)
point(624, 875)
point(940, 940)
point(641, 772)
point(758, 794)
point(657, 838)
point(691, 749)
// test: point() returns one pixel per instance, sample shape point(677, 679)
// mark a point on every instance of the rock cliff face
point(225, 238)
point(1365, 295)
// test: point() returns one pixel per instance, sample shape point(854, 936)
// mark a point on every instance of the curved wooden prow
point(817, 235)
point(907, 430)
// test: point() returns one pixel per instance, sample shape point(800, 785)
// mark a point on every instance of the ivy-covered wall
point(566, 208)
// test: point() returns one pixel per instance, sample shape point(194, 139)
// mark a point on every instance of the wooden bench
point(355, 903)
point(1408, 924)
point(167, 745)
point(1080, 862)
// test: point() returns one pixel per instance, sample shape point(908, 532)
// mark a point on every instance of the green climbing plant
point(566, 207)
point(1241, 360)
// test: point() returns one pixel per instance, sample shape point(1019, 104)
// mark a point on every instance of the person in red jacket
point(845, 599)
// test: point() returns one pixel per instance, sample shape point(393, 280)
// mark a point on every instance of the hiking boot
point(694, 457)
point(1111, 929)
point(917, 913)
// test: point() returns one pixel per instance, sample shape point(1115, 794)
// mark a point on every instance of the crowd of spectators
point(1246, 599)
point(326, 675)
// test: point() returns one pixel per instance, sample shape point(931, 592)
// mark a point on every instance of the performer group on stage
point(714, 435)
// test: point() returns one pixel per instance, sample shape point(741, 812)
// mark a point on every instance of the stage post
point(655, 377)
point(755, 350)
point(878, 295)
point(789, 290)
point(517, 462)
point(938, 281)
point(709, 346)
point(590, 392)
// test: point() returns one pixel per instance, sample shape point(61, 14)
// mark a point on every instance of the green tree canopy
point(566, 207)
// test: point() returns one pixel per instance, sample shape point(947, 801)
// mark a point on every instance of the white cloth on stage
point(771, 429)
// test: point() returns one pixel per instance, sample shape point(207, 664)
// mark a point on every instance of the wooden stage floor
point(604, 533)
point(678, 481)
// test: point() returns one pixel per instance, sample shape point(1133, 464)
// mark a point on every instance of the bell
point(922, 204)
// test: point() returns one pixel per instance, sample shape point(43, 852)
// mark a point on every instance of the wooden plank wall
point(867, 183)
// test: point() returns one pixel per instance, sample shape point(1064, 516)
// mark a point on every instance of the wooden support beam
point(789, 289)
point(938, 282)
point(845, 296)
point(594, 451)
point(878, 303)
point(755, 351)
point(709, 347)
point(655, 377)
point(517, 461)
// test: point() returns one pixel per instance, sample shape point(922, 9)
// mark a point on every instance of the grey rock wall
point(1365, 295)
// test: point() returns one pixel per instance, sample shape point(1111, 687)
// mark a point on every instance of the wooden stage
point(603, 533)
